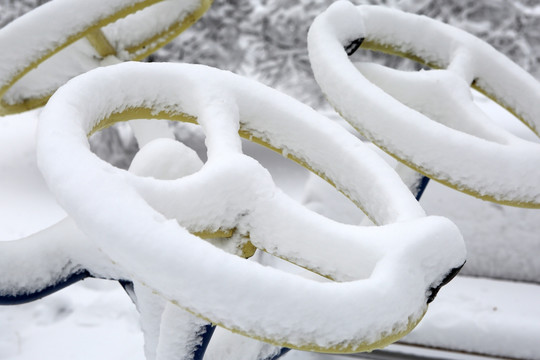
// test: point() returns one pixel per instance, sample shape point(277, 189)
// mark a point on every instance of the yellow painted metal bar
point(100, 43)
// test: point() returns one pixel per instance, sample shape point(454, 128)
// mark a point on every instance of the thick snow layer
point(428, 119)
point(399, 260)
point(32, 38)
point(165, 159)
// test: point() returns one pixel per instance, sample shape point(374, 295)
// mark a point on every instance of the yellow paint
point(247, 249)
point(133, 113)
point(100, 43)
point(25, 105)
point(225, 233)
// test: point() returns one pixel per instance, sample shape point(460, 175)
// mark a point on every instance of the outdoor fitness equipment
point(383, 276)
point(427, 119)
point(40, 54)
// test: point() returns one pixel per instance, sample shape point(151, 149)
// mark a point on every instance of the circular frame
point(428, 120)
point(142, 224)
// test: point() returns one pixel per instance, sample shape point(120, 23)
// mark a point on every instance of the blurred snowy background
point(266, 40)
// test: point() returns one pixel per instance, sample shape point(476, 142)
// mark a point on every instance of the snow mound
point(165, 159)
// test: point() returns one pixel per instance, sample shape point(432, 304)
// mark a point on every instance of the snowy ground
point(95, 319)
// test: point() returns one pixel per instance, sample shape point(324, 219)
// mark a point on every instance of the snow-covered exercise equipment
point(64, 38)
point(427, 119)
point(384, 276)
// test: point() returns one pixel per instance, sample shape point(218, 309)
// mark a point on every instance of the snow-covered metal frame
point(44, 54)
point(408, 257)
point(427, 120)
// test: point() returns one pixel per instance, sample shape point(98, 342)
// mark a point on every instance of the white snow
point(93, 319)
point(22, 188)
point(165, 159)
point(146, 131)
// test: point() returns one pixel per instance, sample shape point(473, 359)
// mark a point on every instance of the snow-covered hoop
point(64, 38)
point(427, 119)
point(384, 275)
